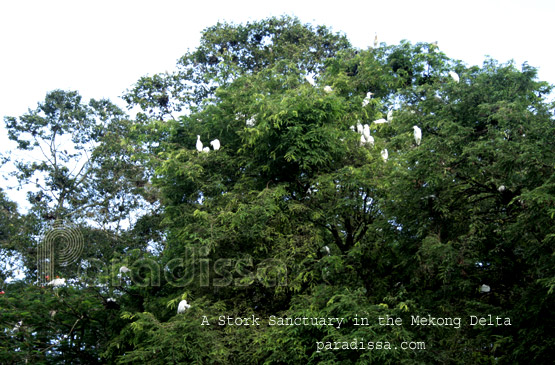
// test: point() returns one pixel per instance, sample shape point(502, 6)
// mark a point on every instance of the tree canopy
point(294, 216)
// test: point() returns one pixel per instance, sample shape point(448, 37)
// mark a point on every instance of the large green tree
point(292, 190)
point(294, 216)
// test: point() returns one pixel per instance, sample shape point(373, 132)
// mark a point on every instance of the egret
point(327, 250)
point(390, 116)
point(309, 79)
point(360, 128)
point(206, 149)
point(485, 288)
point(57, 282)
point(366, 131)
point(380, 121)
point(199, 144)
point(352, 128)
point(454, 76)
point(183, 306)
point(367, 98)
point(250, 122)
point(417, 135)
point(215, 144)
point(362, 140)
point(502, 188)
point(124, 269)
point(328, 89)
point(384, 154)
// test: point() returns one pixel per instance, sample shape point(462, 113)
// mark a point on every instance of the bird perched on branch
point(385, 154)
point(366, 100)
point(57, 282)
point(485, 288)
point(454, 76)
point(199, 144)
point(183, 306)
point(215, 144)
point(390, 116)
point(417, 135)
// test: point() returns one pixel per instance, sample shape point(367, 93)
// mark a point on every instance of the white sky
point(100, 48)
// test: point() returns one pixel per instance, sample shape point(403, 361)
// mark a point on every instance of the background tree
point(81, 179)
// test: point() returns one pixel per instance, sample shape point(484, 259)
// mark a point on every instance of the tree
point(294, 217)
point(416, 234)
point(83, 187)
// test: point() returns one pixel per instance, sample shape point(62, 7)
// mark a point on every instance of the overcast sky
point(100, 48)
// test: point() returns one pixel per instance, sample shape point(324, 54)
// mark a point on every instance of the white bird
point(360, 129)
point(124, 269)
point(353, 128)
point(250, 122)
point(367, 98)
point(327, 250)
point(215, 144)
point(57, 282)
point(206, 149)
point(309, 79)
point(362, 140)
point(485, 288)
point(454, 76)
point(502, 188)
point(390, 116)
point(199, 144)
point(417, 135)
point(366, 131)
point(384, 154)
point(328, 89)
point(183, 306)
point(380, 121)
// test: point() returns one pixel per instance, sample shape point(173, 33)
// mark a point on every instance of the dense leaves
point(294, 217)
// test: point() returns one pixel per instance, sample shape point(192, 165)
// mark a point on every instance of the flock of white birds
point(364, 130)
point(215, 145)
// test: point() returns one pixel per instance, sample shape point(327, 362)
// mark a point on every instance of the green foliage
point(293, 217)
